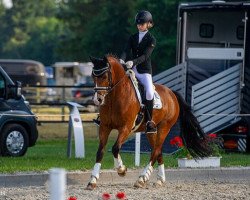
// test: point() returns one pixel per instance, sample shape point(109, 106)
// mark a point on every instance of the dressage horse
point(119, 107)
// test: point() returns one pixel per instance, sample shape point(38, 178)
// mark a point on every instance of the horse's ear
point(92, 59)
point(105, 59)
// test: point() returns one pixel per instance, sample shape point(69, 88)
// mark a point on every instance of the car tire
point(14, 140)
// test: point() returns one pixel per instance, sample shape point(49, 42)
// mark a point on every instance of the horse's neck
point(123, 94)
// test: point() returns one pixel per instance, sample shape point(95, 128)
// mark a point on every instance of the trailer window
point(206, 30)
point(240, 32)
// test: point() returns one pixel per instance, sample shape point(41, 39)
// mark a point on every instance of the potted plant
point(185, 160)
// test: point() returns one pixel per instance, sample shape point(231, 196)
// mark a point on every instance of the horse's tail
point(194, 137)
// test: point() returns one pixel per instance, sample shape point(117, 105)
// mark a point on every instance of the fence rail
point(52, 100)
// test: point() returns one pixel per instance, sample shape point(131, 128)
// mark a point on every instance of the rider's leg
point(146, 80)
point(150, 125)
point(97, 120)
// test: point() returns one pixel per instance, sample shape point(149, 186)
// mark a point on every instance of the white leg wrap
point(146, 172)
point(118, 162)
point(161, 173)
point(96, 170)
point(119, 165)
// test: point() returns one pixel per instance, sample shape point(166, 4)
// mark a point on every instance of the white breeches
point(147, 82)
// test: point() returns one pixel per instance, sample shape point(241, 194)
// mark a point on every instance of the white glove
point(121, 61)
point(129, 64)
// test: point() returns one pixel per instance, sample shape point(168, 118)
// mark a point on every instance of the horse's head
point(107, 74)
point(102, 75)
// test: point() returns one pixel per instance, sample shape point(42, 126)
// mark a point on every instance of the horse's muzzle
point(98, 99)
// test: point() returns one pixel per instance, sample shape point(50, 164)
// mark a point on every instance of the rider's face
point(142, 27)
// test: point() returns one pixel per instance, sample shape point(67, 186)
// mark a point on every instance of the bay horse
point(119, 107)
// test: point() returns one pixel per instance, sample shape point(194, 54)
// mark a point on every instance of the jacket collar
point(144, 38)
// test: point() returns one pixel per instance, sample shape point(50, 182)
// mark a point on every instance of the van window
point(206, 30)
point(27, 72)
point(240, 32)
point(2, 87)
point(20, 68)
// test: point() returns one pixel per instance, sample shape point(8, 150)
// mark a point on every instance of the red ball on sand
point(121, 195)
point(106, 196)
point(72, 198)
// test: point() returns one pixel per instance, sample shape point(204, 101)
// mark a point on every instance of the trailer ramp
point(216, 100)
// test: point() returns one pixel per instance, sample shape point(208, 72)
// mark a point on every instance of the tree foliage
point(72, 30)
point(30, 31)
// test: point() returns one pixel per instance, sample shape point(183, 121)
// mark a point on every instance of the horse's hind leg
point(156, 155)
point(161, 178)
point(161, 169)
point(103, 138)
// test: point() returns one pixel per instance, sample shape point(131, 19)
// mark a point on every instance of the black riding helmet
point(143, 16)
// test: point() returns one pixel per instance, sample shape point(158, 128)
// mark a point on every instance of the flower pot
point(199, 163)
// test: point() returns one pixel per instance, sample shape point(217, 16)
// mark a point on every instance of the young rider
point(141, 46)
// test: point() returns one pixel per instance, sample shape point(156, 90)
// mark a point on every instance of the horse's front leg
point(118, 164)
point(103, 138)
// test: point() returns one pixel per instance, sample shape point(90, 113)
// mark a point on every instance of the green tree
point(95, 27)
point(31, 31)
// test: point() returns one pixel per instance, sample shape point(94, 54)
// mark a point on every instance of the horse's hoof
point(139, 184)
point(122, 171)
point(91, 186)
point(158, 183)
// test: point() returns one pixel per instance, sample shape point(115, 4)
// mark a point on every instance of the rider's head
point(144, 18)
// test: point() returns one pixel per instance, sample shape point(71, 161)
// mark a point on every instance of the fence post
point(63, 107)
point(137, 148)
point(38, 93)
point(75, 124)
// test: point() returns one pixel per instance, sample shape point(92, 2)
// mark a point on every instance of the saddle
point(141, 96)
point(140, 91)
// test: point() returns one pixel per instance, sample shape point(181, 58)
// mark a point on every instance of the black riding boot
point(150, 125)
point(97, 120)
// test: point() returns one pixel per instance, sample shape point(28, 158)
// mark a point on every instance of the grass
point(52, 153)
point(51, 149)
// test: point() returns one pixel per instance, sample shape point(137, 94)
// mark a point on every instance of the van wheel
point(13, 140)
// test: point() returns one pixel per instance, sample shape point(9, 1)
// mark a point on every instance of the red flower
point(177, 141)
point(72, 198)
point(106, 196)
point(212, 135)
point(120, 195)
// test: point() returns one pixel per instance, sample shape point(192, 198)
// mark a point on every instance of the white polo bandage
point(96, 170)
point(118, 162)
point(147, 172)
point(161, 173)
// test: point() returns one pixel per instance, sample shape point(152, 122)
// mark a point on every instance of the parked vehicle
point(213, 69)
point(29, 73)
point(18, 125)
point(214, 51)
point(84, 90)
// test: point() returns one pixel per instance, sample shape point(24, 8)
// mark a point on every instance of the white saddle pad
point(157, 98)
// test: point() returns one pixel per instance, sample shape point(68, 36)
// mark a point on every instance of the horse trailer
point(213, 68)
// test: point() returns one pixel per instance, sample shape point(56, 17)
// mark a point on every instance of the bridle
point(99, 72)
